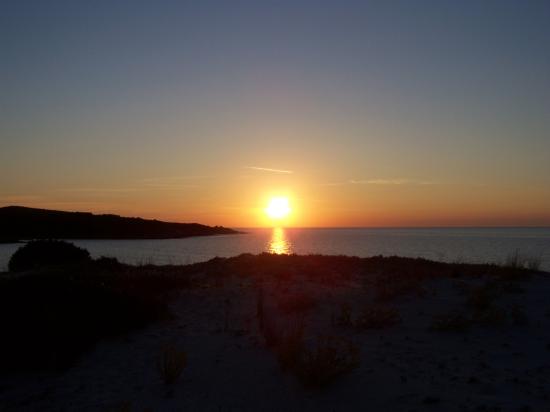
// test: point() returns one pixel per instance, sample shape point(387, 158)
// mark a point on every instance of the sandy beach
point(279, 333)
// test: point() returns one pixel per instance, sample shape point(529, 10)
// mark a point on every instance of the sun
point(278, 208)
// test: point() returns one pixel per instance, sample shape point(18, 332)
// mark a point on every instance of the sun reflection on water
point(279, 243)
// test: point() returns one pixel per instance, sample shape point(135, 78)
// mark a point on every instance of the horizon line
point(494, 226)
point(398, 227)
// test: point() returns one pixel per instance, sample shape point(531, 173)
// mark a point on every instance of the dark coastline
point(28, 223)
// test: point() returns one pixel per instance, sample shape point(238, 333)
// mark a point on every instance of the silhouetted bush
point(107, 263)
point(52, 316)
point(39, 253)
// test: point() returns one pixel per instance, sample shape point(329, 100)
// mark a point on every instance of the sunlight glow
point(279, 244)
point(278, 208)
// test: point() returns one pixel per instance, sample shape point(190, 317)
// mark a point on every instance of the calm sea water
point(444, 244)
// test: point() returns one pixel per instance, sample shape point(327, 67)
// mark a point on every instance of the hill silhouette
point(17, 222)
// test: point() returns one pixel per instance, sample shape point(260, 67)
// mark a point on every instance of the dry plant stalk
point(171, 363)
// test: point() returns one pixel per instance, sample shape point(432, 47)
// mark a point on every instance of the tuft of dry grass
point(267, 324)
point(226, 314)
point(533, 263)
point(171, 363)
point(330, 358)
point(290, 345)
point(315, 363)
point(260, 313)
point(517, 260)
point(513, 260)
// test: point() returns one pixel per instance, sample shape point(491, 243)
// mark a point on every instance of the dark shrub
point(50, 318)
point(107, 263)
point(38, 253)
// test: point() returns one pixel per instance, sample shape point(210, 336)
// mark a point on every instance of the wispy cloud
point(267, 169)
point(387, 182)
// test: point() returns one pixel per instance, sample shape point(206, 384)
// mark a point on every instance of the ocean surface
point(443, 244)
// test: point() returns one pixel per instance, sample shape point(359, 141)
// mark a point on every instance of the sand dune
point(274, 333)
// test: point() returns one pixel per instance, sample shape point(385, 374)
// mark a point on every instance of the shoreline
point(20, 222)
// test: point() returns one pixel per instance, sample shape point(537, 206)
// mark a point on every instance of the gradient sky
point(365, 113)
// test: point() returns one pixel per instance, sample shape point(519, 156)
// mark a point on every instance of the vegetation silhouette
point(51, 314)
point(19, 222)
point(40, 253)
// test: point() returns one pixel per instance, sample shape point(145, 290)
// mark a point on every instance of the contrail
point(266, 169)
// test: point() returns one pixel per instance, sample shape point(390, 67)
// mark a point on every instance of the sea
point(469, 245)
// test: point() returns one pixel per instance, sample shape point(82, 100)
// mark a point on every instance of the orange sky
point(239, 200)
point(362, 113)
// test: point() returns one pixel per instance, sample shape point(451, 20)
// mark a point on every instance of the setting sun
point(278, 208)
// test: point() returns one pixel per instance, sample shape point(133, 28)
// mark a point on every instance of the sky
point(362, 113)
